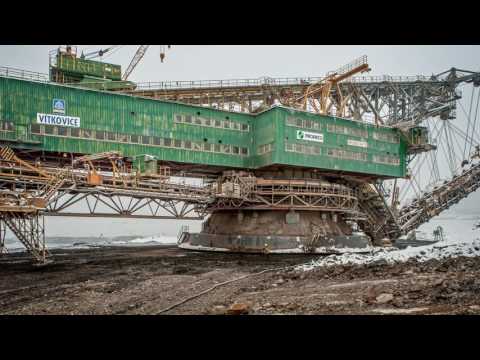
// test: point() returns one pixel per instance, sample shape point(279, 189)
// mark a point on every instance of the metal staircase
point(381, 223)
point(53, 185)
point(24, 219)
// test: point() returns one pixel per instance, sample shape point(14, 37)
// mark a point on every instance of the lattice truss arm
point(444, 176)
point(385, 99)
point(94, 203)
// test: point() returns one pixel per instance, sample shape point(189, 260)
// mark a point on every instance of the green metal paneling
point(78, 66)
point(267, 138)
point(276, 120)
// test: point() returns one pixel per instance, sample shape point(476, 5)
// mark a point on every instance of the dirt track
point(145, 280)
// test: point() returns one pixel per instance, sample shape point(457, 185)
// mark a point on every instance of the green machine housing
point(203, 138)
point(67, 68)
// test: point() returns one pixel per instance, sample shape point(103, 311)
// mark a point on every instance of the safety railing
point(350, 66)
point(201, 84)
point(23, 74)
point(184, 229)
point(266, 81)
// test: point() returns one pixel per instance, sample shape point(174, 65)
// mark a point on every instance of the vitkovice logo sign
point(49, 119)
point(309, 136)
point(58, 106)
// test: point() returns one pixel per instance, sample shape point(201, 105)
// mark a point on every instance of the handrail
point(300, 81)
point(23, 74)
point(200, 84)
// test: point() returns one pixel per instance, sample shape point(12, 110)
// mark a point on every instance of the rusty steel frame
point(29, 228)
point(271, 195)
point(434, 202)
point(122, 206)
point(381, 99)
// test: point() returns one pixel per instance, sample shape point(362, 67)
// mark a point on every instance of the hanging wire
point(469, 118)
point(475, 120)
point(115, 49)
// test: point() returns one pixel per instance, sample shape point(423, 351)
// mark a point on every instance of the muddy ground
point(147, 280)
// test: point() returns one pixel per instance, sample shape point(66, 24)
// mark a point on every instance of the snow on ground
point(391, 256)
point(462, 239)
point(164, 239)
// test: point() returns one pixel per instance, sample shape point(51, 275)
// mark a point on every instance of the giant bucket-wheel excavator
point(341, 162)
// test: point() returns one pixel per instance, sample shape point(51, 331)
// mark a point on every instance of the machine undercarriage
point(241, 211)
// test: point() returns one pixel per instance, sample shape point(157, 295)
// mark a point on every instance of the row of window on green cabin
point(7, 126)
point(101, 135)
point(342, 130)
point(386, 159)
point(302, 148)
point(265, 149)
point(215, 123)
point(340, 154)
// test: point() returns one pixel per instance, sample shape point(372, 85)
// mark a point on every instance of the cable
point(475, 121)
point(469, 120)
point(221, 284)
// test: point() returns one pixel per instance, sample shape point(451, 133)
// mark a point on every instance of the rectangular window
point(226, 124)
point(87, 134)
point(177, 143)
point(122, 138)
point(134, 139)
point(236, 126)
point(36, 128)
point(244, 151)
point(111, 136)
point(207, 147)
point(145, 140)
point(167, 142)
point(299, 123)
point(386, 159)
point(156, 141)
point(178, 118)
point(198, 121)
point(291, 121)
point(187, 145)
point(188, 119)
point(245, 127)
point(235, 150)
point(196, 146)
point(75, 132)
point(207, 122)
point(8, 126)
point(386, 137)
point(217, 148)
point(99, 135)
point(62, 131)
point(226, 149)
point(50, 130)
point(218, 123)
point(289, 147)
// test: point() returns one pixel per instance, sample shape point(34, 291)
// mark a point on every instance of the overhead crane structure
point(276, 190)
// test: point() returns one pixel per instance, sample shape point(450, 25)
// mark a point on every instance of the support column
point(29, 228)
point(3, 230)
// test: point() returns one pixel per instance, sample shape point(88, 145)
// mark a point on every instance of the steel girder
point(97, 203)
point(400, 101)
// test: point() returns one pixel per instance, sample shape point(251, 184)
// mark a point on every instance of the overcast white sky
point(218, 62)
point(223, 62)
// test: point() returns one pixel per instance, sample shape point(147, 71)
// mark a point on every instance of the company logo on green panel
point(58, 106)
point(309, 136)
